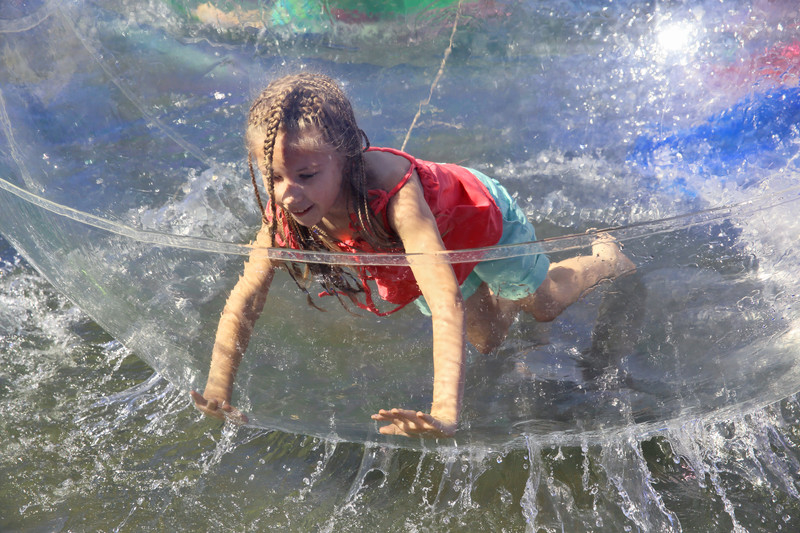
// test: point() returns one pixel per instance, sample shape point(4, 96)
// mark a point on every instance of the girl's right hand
point(222, 410)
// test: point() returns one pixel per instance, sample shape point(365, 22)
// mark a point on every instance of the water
point(93, 440)
point(662, 403)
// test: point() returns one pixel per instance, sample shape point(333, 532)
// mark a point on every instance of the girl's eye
point(308, 176)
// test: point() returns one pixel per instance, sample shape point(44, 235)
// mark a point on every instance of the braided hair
point(293, 105)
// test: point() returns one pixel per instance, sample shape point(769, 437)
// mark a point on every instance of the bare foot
point(211, 15)
point(609, 251)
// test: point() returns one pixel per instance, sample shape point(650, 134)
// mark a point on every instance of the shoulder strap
point(408, 174)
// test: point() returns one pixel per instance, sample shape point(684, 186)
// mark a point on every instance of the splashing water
point(93, 440)
point(661, 403)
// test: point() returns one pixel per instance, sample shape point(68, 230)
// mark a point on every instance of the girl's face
point(307, 179)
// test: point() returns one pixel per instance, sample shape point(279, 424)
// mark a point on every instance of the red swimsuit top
point(466, 215)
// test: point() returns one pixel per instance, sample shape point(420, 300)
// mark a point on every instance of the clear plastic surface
point(123, 180)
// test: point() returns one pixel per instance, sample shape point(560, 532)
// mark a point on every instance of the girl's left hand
point(413, 424)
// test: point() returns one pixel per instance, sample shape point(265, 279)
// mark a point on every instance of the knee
point(488, 319)
point(545, 315)
point(543, 307)
point(482, 333)
point(485, 344)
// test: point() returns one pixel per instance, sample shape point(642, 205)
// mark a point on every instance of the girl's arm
point(242, 309)
point(411, 217)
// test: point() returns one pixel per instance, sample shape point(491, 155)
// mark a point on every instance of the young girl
point(328, 189)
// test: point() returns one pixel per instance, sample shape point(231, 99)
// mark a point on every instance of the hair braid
point(273, 123)
point(255, 185)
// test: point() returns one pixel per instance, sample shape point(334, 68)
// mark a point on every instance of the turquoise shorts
point(513, 278)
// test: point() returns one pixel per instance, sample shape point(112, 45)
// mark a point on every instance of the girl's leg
point(488, 318)
point(572, 278)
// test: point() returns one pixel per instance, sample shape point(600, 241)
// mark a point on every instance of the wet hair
point(294, 105)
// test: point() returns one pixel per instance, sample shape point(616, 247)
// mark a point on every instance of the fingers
point(403, 422)
point(197, 397)
point(208, 407)
point(412, 423)
point(400, 417)
point(233, 415)
point(395, 413)
point(391, 429)
point(223, 411)
point(383, 414)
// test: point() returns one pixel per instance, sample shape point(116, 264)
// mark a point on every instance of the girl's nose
point(287, 191)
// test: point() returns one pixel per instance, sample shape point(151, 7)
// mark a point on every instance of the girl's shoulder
point(385, 169)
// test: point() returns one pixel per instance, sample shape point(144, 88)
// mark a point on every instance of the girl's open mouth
point(305, 211)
